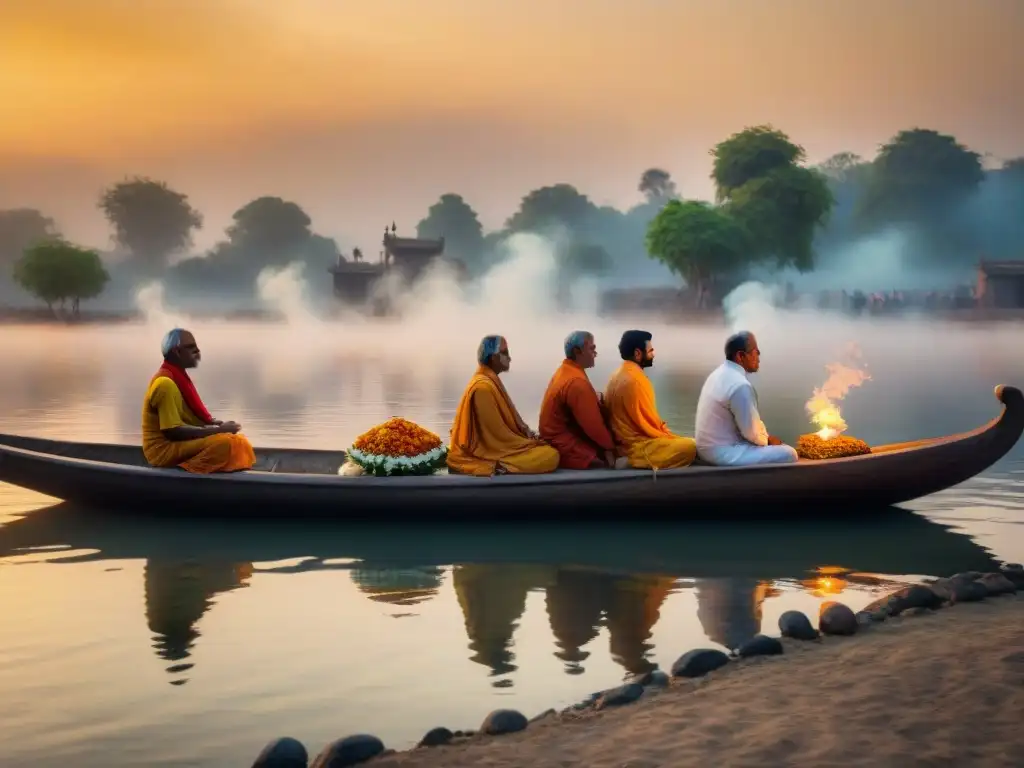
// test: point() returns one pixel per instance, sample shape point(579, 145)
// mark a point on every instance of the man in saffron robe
point(177, 429)
point(730, 432)
point(488, 435)
point(642, 435)
point(570, 414)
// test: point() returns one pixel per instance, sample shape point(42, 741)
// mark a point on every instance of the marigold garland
point(398, 447)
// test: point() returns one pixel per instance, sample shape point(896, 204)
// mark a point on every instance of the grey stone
point(699, 662)
point(796, 625)
point(997, 584)
point(435, 737)
point(1015, 573)
point(285, 752)
point(914, 596)
point(658, 679)
point(967, 592)
point(760, 645)
point(836, 619)
point(616, 697)
point(350, 750)
point(503, 721)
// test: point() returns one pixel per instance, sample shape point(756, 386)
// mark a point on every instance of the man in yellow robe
point(177, 429)
point(488, 435)
point(640, 433)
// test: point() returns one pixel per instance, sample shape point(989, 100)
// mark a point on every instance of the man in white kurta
point(729, 429)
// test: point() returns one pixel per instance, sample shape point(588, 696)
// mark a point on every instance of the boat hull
point(286, 482)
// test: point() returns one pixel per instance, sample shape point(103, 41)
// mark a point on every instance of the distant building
point(354, 280)
point(1001, 284)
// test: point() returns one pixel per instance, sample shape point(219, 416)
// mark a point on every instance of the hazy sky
point(364, 111)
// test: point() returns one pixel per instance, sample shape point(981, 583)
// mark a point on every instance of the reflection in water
point(579, 602)
point(634, 607)
point(575, 602)
point(407, 586)
point(729, 609)
point(177, 596)
point(493, 598)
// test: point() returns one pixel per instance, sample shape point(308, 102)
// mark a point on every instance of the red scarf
point(188, 391)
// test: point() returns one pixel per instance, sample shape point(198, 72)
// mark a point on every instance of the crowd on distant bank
point(892, 302)
point(579, 428)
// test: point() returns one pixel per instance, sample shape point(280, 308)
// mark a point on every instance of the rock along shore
point(574, 735)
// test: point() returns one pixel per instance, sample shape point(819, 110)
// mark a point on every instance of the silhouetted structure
point(354, 280)
point(1001, 284)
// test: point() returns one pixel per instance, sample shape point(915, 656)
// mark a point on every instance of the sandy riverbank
point(937, 689)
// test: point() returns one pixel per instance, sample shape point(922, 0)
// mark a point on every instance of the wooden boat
point(878, 540)
point(288, 482)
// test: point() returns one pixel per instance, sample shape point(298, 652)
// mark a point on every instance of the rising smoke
point(320, 380)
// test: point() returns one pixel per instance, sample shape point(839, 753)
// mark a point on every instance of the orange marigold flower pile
point(397, 437)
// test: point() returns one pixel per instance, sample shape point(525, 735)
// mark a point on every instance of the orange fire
point(823, 406)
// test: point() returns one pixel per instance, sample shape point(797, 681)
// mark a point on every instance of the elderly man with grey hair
point(730, 432)
point(570, 413)
point(177, 429)
point(488, 435)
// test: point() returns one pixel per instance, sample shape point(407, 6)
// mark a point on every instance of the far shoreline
point(42, 316)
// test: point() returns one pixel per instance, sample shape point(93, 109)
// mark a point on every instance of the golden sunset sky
point(364, 111)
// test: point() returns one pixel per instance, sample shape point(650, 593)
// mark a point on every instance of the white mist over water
point(431, 344)
point(284, 291)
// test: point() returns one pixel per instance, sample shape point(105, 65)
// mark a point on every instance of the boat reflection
point(596, 579)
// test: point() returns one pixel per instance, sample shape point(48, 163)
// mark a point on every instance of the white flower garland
point(422, 464)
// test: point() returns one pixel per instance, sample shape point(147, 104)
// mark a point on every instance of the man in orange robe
point(642, 436)
point(488, 435)
point(177, 429)
point(570, 415)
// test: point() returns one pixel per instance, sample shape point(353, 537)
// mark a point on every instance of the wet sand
point(936, 689)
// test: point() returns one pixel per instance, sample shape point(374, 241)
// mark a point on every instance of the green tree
point(452, 218)
point(273, 227)
point(782, 211)
point(56, 271)
point(780, 203)
point(657, 186)
point(699, 242)
point(150, 219)
point(549, 207)
point(751, 154)
point(919, 177)
point(20, 229)
point(845, 167)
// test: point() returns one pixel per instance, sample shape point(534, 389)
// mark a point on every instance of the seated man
point(570, 415)
point(177, 430)
point(642, 436)
point(730, 432)
point(488, 435)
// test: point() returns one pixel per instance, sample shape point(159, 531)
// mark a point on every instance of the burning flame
point(823, 405)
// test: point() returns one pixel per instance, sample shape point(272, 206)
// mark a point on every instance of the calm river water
point(134, 642)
